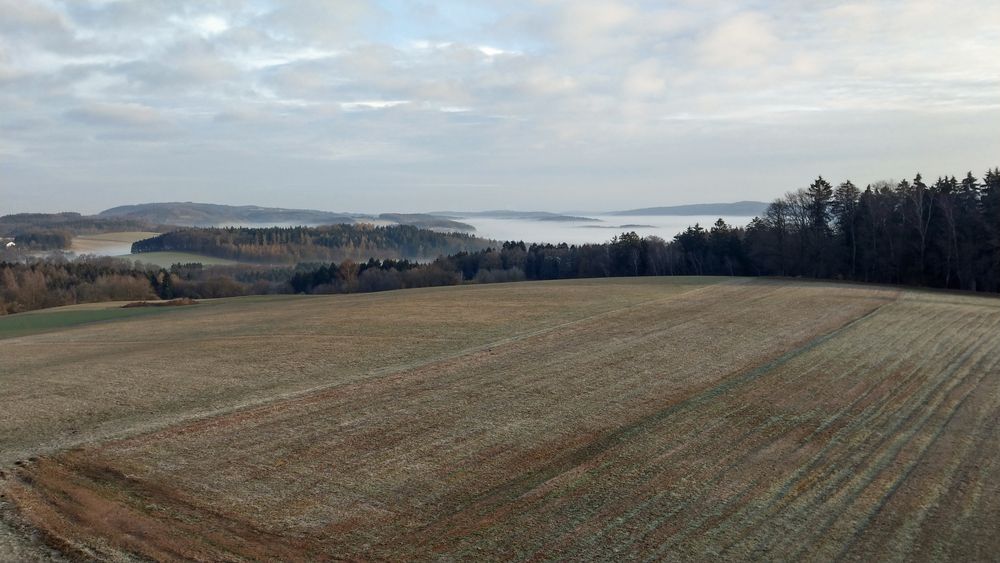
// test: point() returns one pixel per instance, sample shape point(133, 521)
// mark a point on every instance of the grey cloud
point(29, 18)
point(744, 40)
point(129, 115)
point(321, 22)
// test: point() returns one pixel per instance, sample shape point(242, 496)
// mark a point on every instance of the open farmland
point(119, 244)
point(108, 244)
point(651, 418)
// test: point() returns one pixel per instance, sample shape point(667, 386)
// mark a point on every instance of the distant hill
point(509, 214)
point(74, 223)
point(739, 208)
point(188, 214)
point(427, 221)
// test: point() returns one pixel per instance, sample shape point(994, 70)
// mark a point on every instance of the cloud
point(586, 20)
point(746, 40)
point(645, 79)
point(372, 104)
point(25, 17)
point(209, 25)
point(127, 115)
point(322, 23)
point(557, 99)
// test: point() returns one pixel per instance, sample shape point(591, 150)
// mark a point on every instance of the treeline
point(44, 239)
point(53, 282)
point(281, 245)
point(55, 231)
point(50, 283)
point(944, 234)
point(626, 255)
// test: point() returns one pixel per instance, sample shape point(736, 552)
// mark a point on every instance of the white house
point(10, 244)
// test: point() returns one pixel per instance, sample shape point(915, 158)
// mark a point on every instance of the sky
point(562, 105)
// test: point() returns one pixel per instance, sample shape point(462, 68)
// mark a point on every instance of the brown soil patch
point(180, 301)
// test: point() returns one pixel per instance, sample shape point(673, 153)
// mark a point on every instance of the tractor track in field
point(494, 498)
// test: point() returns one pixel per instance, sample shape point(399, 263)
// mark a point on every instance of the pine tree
point(844, 208)
point(820, 192)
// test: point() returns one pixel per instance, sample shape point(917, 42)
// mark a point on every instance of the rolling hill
point(188, 214)
point(426, 221)
point(737, 209)
point(519, 215)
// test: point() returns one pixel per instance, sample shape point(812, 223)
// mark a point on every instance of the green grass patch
point(35, 322)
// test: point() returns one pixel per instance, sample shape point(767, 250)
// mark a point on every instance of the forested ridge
point(289, 245)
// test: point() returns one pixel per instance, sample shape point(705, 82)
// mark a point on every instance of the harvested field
point(108, 244)
point(155, 366)
point(120, 245)
point(648, 419)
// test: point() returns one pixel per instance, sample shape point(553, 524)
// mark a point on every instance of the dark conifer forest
point(942, 234)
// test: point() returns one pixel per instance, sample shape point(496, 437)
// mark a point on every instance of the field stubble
point(773, 420)
point(101, 379)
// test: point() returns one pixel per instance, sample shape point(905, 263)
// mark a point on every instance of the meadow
point(643, 418)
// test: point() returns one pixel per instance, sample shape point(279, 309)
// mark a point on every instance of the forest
point(944, 235)
point(52, 283)
point(290, 245)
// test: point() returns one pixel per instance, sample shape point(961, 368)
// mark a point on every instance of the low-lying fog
point(580, 232)
point(527, 230)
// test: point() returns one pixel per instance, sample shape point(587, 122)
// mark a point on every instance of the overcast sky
point(396, 105)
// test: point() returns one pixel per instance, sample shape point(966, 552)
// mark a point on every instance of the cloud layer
point(557, 104)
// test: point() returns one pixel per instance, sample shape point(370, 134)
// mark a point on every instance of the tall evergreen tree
point(921, 205)
point(844, 207)
point(820, 192)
